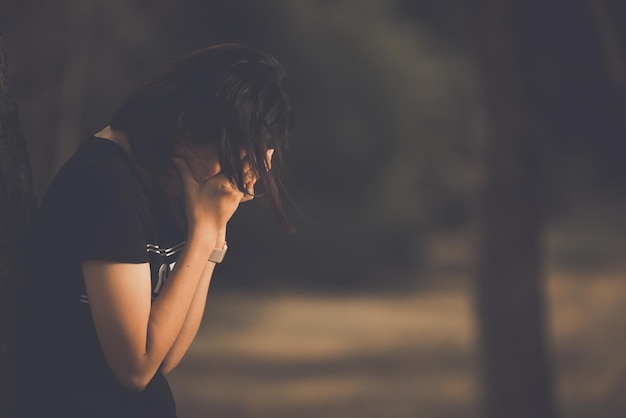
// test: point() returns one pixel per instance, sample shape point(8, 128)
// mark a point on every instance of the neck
point(118, 137)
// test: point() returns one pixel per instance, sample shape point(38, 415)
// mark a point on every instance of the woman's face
point(204, 164)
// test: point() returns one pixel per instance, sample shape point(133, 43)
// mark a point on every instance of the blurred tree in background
point(17, 207)
point(509, 279)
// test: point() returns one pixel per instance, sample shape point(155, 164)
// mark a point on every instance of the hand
point(250, 179)
point(208, 204)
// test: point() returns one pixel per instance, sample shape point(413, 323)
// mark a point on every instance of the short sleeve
point(112, 219)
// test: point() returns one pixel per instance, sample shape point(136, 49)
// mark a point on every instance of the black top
point(95, 209)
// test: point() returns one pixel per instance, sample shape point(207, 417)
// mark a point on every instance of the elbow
point(134, 375)
point(134, 382)
point(167, 366)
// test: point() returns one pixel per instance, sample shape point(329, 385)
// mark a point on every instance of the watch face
point(217, 255)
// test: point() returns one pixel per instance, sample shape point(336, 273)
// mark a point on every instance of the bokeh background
point(370, 309)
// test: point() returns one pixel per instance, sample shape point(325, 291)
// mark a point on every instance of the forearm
point(192, 322)
point(171, 309)
point(194, 315)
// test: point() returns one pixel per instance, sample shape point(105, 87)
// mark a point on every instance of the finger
point(249, 177)
point(223, 183)
point(249, 193)
point(268, 159)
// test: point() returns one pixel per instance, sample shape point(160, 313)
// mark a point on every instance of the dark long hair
point(230, 96)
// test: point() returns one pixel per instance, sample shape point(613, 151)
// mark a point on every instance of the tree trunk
point(509, 278)
point(78, 36)
point(17, 206)
point(606, 27)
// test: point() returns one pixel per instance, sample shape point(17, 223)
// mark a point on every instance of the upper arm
point(120, 302)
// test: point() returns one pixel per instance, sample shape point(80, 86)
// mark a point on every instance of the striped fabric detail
point(151, 248)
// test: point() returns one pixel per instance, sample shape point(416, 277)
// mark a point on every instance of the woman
point(117, 276)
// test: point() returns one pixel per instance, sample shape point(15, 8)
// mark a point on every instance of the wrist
point(217, 255)
point(204, 238)
point(204, 226)
point(221, 238)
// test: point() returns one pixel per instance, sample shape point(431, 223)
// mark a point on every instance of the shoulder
point(104, 161)
point(95, 186)
point(98, 169)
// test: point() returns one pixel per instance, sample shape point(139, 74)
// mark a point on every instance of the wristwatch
point(217, 255)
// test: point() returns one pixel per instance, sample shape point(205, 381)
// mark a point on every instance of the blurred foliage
point(380, 131)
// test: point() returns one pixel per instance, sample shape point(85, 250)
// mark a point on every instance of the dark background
point(382, 170)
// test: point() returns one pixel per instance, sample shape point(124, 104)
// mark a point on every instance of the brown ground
point(298, 355)
point(410, 355)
